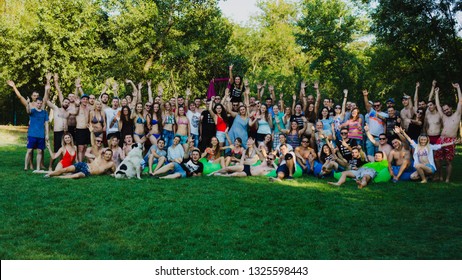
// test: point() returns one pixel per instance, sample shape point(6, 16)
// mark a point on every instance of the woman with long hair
point(168, 124)
point(355, 126)
point(220, 117)
point(213, 153)
point(424, 161)
point(236, 153)
point(182, 126)
point(240, 124)
point(266, 147)
point(264, 123)
point(154, 122)
point(139, 122)
point(68, 151)
point(126, 126)
point(98, 119)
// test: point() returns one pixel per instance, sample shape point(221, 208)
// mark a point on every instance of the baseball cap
point(405, 96)
point(392, 100)
point(85, 96)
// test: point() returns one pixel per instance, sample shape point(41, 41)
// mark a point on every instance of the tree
point(330, 32)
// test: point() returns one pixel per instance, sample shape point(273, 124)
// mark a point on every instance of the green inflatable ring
point(209, 167)
point(383, 175)
point(146, 169)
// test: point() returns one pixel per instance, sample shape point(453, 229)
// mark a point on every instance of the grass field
point(221, 218)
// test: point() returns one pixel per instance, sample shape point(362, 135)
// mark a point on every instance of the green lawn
point(222, 218)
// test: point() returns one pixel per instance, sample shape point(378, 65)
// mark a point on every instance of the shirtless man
point(82, 134)
point(382, 144)
point(60, 116)
point(102, 164)
point(448, 134)
point(96, 145)
point(407, 113)
point(432, 123)
point(398, 157)
point(71, 119)
point(305, 155)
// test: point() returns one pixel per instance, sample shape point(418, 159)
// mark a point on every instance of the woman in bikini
point(98, 119)
point(168, 121)
point(139, 122)
point(213, 152)
point(67, 151)
point(154, 121)
point(236, 153)
point(182, 126)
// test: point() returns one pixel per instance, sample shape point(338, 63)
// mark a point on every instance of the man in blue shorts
point(37, 133)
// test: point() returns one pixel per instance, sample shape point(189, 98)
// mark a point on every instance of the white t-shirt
point(194, 120)
point(110, 114)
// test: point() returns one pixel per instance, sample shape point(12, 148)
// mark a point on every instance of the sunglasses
point(377, 105)
point(99, 141)
point(304, 141)
point(338, 107)
point(382, 138)
point(343, 133)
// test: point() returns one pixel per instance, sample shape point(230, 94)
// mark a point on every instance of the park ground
point(221, 218)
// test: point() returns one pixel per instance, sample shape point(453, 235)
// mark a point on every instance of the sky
point(238, 10)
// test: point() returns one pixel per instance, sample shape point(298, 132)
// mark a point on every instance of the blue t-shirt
point(37, 123)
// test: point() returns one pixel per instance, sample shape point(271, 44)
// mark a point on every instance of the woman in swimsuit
point(98, 119)
point(67, 151)
point(168, 121)
point(236, 153)
point(265, 123)
point(249, 158)
point(266, 147)
point(139, 122)
point(220, 117)
point(213, 152)
point(182, 125)
point(154, 121)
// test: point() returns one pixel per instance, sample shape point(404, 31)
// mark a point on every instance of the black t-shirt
point(355, 162)
point(236, 93)
point(192, 167)
point(390, 124)
point(344, 150)
point(298, 119)
point(208, 124)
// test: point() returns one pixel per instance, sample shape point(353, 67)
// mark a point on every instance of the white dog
point(131, 165)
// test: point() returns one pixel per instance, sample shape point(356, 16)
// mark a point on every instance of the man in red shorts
point(448, 134)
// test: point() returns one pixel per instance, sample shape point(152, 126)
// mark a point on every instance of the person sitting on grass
point(286, 168)
point(362, 175)
point(214, 151)
point(102, 164)
point(68, 151)
point(189, 167)
point(399, 157)
point(246, 165)
point(424, 162)
point(158, 155)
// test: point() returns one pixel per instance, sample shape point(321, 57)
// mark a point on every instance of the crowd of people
point(243, 134)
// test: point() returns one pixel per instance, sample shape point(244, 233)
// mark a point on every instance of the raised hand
point(231, 67)
point(77, 82)
point(434, 83)
point(271, 88)
point(188, 91)
point(365, 92)
point(316, 85)
point(417, 84)
point(246, 82)
point(148, 82)
point(55, 77)
point(294, 97)
point(48, 77)
point(456, 85)
point(437, 90)
point(10, 83)
point(345, 92)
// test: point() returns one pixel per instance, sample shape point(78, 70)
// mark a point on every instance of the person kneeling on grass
point(189, 167)
point(102, 164)
point(363, 175)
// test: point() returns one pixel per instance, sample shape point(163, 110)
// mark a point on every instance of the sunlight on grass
point(12, 135)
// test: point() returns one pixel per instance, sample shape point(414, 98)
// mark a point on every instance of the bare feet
point(423, 181)
point(447, 180)
point(360, 184)
point(272, 179)
point(333, 184)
